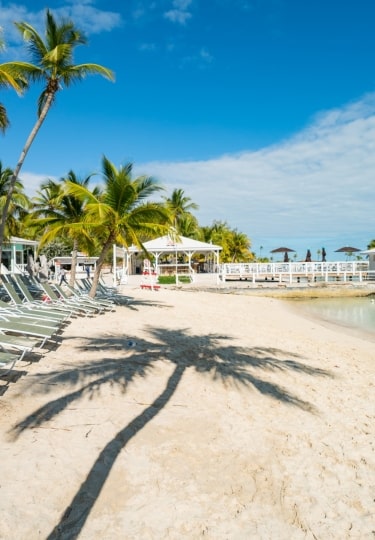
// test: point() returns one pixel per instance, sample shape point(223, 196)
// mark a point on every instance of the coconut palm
point(60, 212)
point(53, 66)
point(121, 213)
point(179, 206)
point(188, 226)
point(18, 83)
point(19, 205)
point(238, 247)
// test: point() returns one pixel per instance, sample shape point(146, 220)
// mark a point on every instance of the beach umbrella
point(284, 250)
point(347, 249)
point(308, 256)
point(324, 255)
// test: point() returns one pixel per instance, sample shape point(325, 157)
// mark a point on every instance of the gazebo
point(167, 252)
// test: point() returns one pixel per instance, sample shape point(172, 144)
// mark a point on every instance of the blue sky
point(263, 111)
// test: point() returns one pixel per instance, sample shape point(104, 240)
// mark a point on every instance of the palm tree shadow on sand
point(210, 354)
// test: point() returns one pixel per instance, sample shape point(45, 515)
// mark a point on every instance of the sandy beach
point(187, 415)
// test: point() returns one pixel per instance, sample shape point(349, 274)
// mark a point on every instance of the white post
point(114, 266)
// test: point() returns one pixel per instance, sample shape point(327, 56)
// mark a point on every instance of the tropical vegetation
point(58, 212)
point(120, 213)
point(68, 215)
point(19, 205)
point(53, 66)
point(8, 80)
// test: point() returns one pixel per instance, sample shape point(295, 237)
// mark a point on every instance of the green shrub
point(171, 280)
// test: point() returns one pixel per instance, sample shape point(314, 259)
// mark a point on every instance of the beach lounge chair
point(102, 303)
point(29, 319)
point(74, 305)
point(47, 302)
point(8, 360)
point(32, 311)
point(20, 343)
point(103, 292)
point(25, 329)
point(32, 303)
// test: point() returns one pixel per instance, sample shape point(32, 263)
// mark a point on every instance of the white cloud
point(176, 15)
point(89, 18)
point(205, 55)
point(85, 16)
point(32, 182)
point(179, 12)
point(318, 184)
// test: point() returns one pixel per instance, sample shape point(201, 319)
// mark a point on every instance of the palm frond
point(70, 74)
point(35, 43)
point(4, 120)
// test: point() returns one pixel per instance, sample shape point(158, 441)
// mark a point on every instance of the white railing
point(295, 271)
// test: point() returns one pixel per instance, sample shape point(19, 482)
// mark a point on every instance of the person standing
point(63, 276)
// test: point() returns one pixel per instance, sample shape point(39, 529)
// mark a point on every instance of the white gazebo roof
point(166, 244)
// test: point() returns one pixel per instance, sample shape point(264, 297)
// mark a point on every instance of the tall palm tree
point(121, 213)
point(53, 66)
point(60, 212)
point(19, 205)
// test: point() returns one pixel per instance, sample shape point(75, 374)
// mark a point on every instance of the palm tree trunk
point(74, 263)
point(99, 265)
point(18, 168)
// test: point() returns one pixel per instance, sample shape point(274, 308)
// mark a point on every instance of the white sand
point(230, 418)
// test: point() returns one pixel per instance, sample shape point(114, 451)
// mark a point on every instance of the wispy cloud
point(179, 12)
point(90, 18)
point(319, 183)
point(150, 47)
point(83, 12)
point(32, 181)
point(201, 59)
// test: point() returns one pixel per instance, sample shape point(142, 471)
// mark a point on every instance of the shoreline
point(228, 416)
point(346, 290)
point(292, 295)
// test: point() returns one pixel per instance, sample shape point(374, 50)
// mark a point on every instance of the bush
point(171, 280)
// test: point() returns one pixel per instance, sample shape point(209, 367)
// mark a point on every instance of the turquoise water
point(355, 313)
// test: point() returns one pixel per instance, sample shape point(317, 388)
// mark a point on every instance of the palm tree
point(179, 206)
point(239, 247)
point(120, 214)
point(188, 226)
point(61, 212)
point(8, 80)
point(53, 57)
point(19, 205)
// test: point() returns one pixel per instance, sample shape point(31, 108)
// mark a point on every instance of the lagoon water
point(355, 313)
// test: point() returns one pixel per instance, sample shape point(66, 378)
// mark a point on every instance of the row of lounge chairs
point(33, 313)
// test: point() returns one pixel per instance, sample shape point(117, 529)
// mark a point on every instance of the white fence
point(297, 271)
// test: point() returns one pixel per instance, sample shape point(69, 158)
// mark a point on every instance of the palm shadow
point(212, 354)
